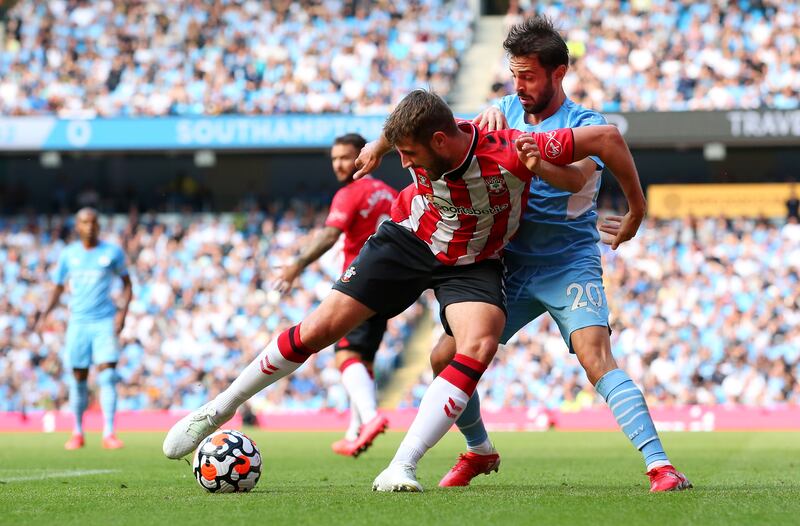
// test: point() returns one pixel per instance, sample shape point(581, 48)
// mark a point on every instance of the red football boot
point(667, 478)
point(112, 442)
point(75, 442)
point(344, 447)
point(369, 432)
point(469, 466)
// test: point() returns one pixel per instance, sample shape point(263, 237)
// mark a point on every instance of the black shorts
point(364, 339)
point(394, 268)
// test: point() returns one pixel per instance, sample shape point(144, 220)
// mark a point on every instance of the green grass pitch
point(545, 478)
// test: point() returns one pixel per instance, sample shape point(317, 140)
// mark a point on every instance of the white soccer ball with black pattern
point(227, 462)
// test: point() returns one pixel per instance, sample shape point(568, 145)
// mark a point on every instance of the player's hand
point(528, 151)
point(288, 275)
point(620, 228)
point(368, 160)
point(491, 119)
point(119, 322)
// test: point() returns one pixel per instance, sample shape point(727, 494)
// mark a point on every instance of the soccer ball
point(227, 462)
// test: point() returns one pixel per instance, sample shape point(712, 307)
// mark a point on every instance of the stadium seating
point(201, 310)
point(157, 58)
point(704, 311)
point(662, 55)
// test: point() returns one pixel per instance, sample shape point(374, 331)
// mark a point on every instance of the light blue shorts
point(90, 342)
point(573, 294)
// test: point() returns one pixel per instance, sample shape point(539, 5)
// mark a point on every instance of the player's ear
point(560, 72)
point(438, 140)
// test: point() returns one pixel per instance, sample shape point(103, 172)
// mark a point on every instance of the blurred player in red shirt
point(357, 209)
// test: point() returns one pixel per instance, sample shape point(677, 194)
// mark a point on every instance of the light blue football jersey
point(557, 226)
point(90, 274)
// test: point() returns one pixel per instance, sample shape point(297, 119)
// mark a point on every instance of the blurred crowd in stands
point(673, 55)
point(703, 311)
point(88, 58)
point(202, 309)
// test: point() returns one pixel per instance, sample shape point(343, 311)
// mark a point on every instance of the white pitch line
point(60, 474)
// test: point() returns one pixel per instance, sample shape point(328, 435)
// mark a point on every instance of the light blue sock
point(629, 407)
point(78, 401)
point(107, 380)
point(470, 423)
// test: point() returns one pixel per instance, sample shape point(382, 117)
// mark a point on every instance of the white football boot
point(398, 476)
point(186, 435)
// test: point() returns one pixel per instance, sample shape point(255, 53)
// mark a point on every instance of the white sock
point(484, 448)
point(438, 411)
point(360, 388)
point(658, 464)
point(355, 423)
point(267, 368)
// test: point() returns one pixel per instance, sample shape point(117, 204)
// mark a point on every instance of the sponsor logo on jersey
point(450, 211)
point(552, 148)
point(348, 274)
point(496, 185)
point(104, 261)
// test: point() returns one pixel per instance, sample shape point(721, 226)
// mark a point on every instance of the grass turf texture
point(545, 478)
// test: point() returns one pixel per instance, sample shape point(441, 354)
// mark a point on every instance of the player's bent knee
point(482, 349)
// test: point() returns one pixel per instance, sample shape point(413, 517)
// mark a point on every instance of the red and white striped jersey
point(471, 212)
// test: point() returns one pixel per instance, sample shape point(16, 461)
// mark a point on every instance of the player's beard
point(438, 167)
point(541, 102)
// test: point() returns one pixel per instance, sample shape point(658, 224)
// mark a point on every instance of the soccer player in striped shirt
point(553, 262)
point(446, 234)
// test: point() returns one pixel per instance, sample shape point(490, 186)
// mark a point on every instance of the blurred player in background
point(89, 266)
point(357, 209)
point(553, 262)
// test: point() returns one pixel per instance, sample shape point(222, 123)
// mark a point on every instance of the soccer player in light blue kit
point(553, 263)
point(89, 267)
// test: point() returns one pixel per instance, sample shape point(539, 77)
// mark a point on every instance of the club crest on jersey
point(496, 185)
point(421, 179)
point(348, 274)
point(552, 148)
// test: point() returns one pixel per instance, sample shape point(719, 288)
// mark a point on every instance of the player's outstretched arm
point(607, 143)
point(323, 242)
point(369, 159)
point(562, 173)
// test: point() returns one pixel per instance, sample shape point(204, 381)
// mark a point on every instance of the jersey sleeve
point(61, 271)
point(120, 269)
point(343, 210)
point(557, 146)
point(592, 118)
point(509, 159)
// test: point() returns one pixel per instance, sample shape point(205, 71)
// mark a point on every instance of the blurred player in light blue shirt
point(553, 263)
point(89, 266)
